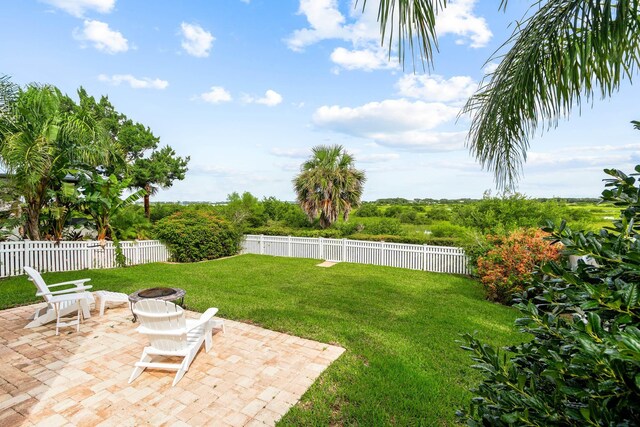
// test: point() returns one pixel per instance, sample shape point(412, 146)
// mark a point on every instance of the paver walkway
point(252, 376)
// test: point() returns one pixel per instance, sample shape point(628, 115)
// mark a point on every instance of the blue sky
point(247, 87)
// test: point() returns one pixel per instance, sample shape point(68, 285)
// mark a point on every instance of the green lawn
point(402, 365)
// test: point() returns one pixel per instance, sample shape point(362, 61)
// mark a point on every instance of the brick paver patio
point(252, 376)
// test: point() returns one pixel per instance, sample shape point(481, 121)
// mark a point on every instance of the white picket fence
point(47, 256)
point(441, 259)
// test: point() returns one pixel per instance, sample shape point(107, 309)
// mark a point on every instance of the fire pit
point(164, 294)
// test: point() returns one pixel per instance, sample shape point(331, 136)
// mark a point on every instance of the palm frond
point(565, 51)
point(412, 22)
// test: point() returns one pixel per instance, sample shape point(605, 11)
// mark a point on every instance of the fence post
point(262, 244)
point(321, 247)
point(344, 250)
point(382, 255)
point(289, 246)
point(88, 261)
point(137, 252)
point(27, 255)
point(424, 257)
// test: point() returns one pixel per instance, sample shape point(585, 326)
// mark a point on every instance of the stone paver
point(251, 377)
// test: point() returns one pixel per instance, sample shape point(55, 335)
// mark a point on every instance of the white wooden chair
point(171, 335)
point(60, 303)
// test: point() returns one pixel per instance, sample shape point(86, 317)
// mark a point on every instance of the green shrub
point(408, 217)
point(130, 223)
point(163, 210)
point(582, 365)
point(415, 240)
point(197, 235)
point(498, 215)
point(367, 210)
point(446, 230)
point(439, 213)
point(296, 232)
point(383, 226)
point(347, 228)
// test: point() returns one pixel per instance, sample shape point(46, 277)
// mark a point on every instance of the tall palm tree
point(41, 142)
point(561, 52)
point(329, 184)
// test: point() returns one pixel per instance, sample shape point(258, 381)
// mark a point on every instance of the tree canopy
point(329, 184)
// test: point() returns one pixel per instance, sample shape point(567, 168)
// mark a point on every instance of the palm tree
point(561, 52)
point(41, 141)
point(328, 184)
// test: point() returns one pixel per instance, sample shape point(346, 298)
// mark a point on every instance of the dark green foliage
point(383, 226)
point(296, 232)
point(408, 216)
point(439, 213)
point(582, 366)
point(130, 223)
point(415, 240)
point(445, 229)
point(162, 210)
point(197, 235)
point(497, 215)
point(367, 210)
point(244, 210)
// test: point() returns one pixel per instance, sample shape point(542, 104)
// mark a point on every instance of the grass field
point(402, 365)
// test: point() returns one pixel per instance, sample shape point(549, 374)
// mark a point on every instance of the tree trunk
point(147, 208)
point(32, 224)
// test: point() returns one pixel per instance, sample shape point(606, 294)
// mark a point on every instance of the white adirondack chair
point(171, 335)
point(60, 303)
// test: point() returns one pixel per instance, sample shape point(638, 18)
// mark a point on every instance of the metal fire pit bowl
point(164, 294)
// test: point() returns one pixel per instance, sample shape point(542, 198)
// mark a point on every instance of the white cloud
point(292, 153)
point(396, 123)
point(575, 157)
point(196, 41)
point(216, 95)
point(458, 18)
point(135, 83)
point(325, 20)
point(384, 116)
point(362, 59)
point(271, 98)
point(102, 37)
point(78, 8)
point(422, 140)
point(436, 88)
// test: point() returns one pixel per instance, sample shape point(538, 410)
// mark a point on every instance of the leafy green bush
point(347, 228)
point(130, 223)
point(383, 226)
point(415, 240)
point(197, 235)
point(445, 229)
point(582, 365)
point(367, 210)
point(296, 232)
point(499, 215)
point(163, 210)
point(439, 213)
point(409, 216)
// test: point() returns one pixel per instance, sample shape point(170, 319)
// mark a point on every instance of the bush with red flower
point(510, 263)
